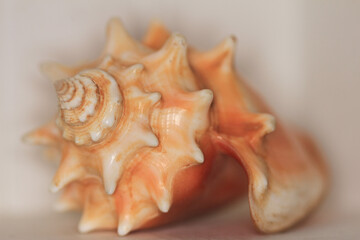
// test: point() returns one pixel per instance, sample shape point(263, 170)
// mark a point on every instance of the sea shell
point(153, 132)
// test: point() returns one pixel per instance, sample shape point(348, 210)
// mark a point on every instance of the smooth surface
point(302, 56)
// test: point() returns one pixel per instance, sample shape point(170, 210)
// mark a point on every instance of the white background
point(302, 56)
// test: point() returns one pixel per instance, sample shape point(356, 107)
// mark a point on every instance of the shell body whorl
point(153, 132)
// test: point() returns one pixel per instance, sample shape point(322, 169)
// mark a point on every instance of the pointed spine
point(156, 35)
point(56, 71)
point(267, 125)
point(119, 41)
point(170, 70)
point(135, 135)
point(72, 198)
point(134, 215)
point(48, 135)
point(131, 75)
point(71, 169)
point(99, 212)
point(220, 58)
point(158, 183)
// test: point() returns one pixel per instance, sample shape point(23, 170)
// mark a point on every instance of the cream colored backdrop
point(303, 56)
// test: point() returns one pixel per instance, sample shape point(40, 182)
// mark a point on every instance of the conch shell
point(153, 132)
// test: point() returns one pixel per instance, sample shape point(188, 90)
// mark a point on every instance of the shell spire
point(80, 103)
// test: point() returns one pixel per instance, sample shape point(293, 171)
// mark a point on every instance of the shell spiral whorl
point(90, 104)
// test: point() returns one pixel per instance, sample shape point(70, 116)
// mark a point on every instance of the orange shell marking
point(149, 133)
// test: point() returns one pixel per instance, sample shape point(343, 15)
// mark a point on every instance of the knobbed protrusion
point(156, 35)
point(119, 42)
point(90, 105)
point(170, 68)
point(56, 71)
